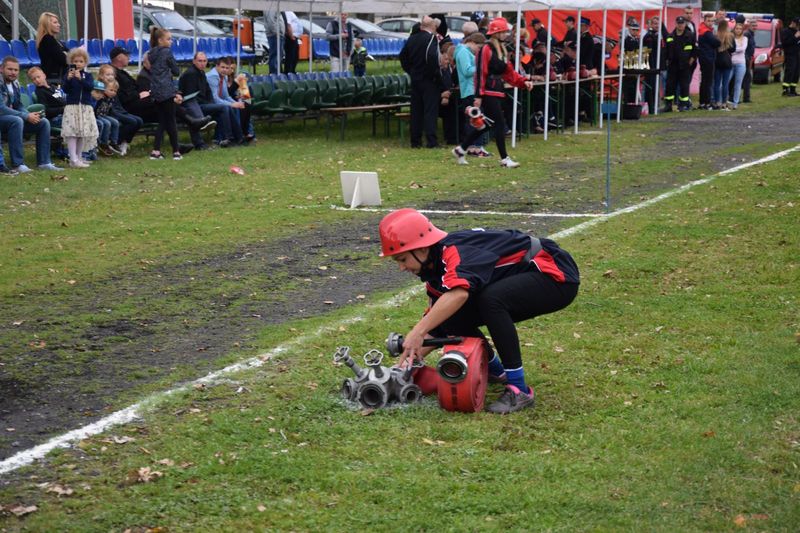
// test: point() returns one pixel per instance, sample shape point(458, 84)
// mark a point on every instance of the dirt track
point(185, 313)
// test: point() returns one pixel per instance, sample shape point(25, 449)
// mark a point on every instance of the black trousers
point(678, 77)
point(424, 112)
point(292, 51)
point(650, 88)
point(492, 107)
point(503, 303)
point(449, 121)
point(790, 70)
point(706, 81)
point(166, 122)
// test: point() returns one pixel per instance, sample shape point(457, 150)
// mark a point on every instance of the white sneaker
point(123, 148)
point(50, 166)
point(508, 163)
point(78, 164)
point(22, 169)
point(459, 154)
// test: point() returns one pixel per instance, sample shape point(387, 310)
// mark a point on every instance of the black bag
point(724, 60)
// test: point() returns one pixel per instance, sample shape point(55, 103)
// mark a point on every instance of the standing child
point(358, 58)
point(162, 68)
point(78, 126)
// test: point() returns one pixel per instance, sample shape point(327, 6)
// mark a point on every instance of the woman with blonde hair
point(723, 68)
point(52, 52)
point(740, 43)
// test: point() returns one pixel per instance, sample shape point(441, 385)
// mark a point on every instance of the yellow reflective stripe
point(688, 47)
point(669, 97)
point(670, 39)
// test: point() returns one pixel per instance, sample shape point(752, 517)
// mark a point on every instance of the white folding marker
point(360, 188)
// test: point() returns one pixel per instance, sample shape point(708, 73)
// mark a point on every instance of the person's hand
point(238, 105)
point(476, 102)
point(144, 94)
point(178, 99)
point(412, 346)
point(34, 118)
point(446, 94)
point(529, 85)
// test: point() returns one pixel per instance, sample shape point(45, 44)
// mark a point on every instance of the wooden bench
point(341, 113)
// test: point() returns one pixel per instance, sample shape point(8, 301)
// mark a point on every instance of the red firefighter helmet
point(407, 229)
point(497, 25)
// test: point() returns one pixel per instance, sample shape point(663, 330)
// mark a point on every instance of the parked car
point(165, 18)
point(225, 24)
point(768, 56)
point(455, 23)
point(398, 24)
point(318, 31)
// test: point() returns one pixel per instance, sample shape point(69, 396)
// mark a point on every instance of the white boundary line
point(468, 212)
point(133, 412)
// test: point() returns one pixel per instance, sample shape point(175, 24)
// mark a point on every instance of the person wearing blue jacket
point(474, 278)
point(217, 79)
point(15, 121)
point(465, 67)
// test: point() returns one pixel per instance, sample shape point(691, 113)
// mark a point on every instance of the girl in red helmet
point(479, 278)
point(492, 69)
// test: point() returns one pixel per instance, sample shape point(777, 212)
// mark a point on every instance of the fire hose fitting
point(452, 367)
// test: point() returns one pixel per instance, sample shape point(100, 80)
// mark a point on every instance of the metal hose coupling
point(376, 386)
point(452, 367)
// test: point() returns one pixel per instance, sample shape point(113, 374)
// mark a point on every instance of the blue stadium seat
point(72, 43)
point(133, 48)
point(216, 49)
point(95, 50)
point(33, 53)
point(121, 43)
point(19, 50)
point(108, 44)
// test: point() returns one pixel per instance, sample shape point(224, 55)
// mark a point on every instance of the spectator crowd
point(102, 115)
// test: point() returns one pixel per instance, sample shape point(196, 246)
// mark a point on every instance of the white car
point(404, 25)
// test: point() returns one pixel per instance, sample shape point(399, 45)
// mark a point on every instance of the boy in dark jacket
point(707, 45)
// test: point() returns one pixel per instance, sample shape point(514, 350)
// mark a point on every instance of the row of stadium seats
point(99, 50)
point(301, 96)
point(377, 48)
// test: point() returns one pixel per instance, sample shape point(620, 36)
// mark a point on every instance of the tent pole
point(621, 64)
point(547, 73)
point(657, 98)
point(141, 32)
point(15, 20)
point(194, 22)
point(86, 22)
point(341, 29)
point(577, 73)
point(515, 105)
point(310, 37)
point(239, 39)
point(603, 67)
point(278, 22)
point(641, 43)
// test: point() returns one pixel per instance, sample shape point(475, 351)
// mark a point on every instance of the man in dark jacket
point(750, 33)
point(193, 80)
point(707, 45)
point(653, 40)
point(681, 58)
point(128, 93)
point(420, 59)
point(587, 45)
point(790, 42)
point(571, 36)
point(340, 61)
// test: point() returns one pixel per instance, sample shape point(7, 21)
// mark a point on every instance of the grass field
point(667, 393)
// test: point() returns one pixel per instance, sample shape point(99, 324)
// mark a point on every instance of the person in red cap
point(474, 278)
point(492, 70)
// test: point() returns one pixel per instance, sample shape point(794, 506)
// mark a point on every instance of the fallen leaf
point(144, 475)
point(37, 344)
point(22, 510)
point(709, 434)
point(261, 508)
point(312, 385)
point(328, 302)
point(122, 440)
point(59, 490)
point(322, 267)
point(361, 297)
point(608, 274)
point(576, 335)
point(740, 521)
point(20, 322)
point(166, 462)
point(367, 412)
point(759, 516)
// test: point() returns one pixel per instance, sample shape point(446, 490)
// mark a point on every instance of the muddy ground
point(113, 336)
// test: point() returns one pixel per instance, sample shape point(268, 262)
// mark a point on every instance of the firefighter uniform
point(790, 42)
point(681, 55)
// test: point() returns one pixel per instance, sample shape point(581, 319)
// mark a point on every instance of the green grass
point(667, 393)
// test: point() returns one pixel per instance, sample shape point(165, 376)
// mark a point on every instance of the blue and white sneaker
point(50, 166)
point(22, 169)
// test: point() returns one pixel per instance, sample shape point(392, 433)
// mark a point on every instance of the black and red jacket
point(474, 259)
point(491, 71)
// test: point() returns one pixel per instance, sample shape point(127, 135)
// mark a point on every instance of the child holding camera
point(78, 126)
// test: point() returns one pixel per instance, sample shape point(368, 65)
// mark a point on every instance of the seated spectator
point(193, 80)
point(128, 124)
point(53, 54)
point(217, 80)
point(108, 126)
point(15, 121)
point(237, 84)
point(130, 96)
point(51, 97)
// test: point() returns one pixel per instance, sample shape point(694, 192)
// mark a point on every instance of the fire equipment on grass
point(477, 119)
